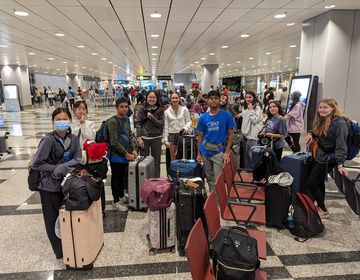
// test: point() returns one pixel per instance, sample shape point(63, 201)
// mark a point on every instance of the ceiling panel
point(207, 14)
point(231, 15)
point(185, 3)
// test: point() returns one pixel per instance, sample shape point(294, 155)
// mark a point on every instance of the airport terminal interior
point(167, 45)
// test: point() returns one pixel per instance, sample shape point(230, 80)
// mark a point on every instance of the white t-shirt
point(176, 122)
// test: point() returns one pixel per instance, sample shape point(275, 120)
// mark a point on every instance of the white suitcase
point(162, 230)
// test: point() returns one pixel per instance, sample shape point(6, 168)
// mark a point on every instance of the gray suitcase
point(139, 170)
point(3, 142)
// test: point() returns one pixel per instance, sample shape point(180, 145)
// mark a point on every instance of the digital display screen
point(301, 84)
point(10, 92)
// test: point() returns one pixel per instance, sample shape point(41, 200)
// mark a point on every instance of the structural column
point(72, 80)
point(209, 77)
point(330, 49)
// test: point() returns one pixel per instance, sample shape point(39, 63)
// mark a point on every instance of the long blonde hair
point(322, 124)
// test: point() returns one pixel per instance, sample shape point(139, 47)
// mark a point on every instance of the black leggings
point(51, 202)
point(316, 183)
point(296, 138)
point(278, 153)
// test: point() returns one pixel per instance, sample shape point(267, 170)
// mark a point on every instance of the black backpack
point(267, 166)
point(306, 220)
point(235, 254)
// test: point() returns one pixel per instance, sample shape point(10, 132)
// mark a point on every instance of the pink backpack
point(157, 193)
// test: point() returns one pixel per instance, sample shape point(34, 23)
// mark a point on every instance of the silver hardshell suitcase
point(139, 170)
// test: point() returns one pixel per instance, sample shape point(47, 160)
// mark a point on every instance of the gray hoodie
point(251, 124)
point(49, 159)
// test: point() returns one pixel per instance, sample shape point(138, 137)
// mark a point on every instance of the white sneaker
point(119, 206)
point(124, 199)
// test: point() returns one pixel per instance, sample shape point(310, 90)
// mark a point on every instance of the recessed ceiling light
point(110, 62)
point(155, 36)
point(59, 34)
point(31, 53)
point(21, 13)
point(64, 62)
point(83, 67)
point(292, 46)
point(238, 61)
point(81, 46)
point(196, 62)
point(75, 65)
point(298, 57)
point(203, 58)
point(51, 58)
point(329, 6)
point(57, 69)
point(285, 66)
point(154, 58)
point(279, 61)
point(228, 64)
point(211, 53)
point(154, 54)
point(224, 47)
point(191, 65)
point(94, 53)
point(103, 58)
point(155, 15)
point(253, 66)
point(47, 67)
point(3, 46)
point(34, 65)
point(45, 72)
point(221, 66)
point(154, 47)
point(268, 53)
point(251, 58)
point(17, 62)
point(280, 15)
point(290, 24)
point(245, 35)
point(244, 68)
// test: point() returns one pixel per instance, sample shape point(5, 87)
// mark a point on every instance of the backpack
point(353, 140)
point(268, 165)
point(306, 220)
point(102, 135)
point(235, 254)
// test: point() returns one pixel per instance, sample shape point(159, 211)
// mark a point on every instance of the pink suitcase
point(162, 233)
point(82, 236)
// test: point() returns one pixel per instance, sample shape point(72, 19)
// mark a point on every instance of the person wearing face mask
point(331, 152)
point(149, 128)
point(58, 153)
point(177, 121)
point(81, 127)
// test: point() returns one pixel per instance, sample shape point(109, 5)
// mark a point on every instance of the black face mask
point(151, 108)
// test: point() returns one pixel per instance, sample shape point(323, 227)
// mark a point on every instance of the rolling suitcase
point(299, 166)
point(256, 155)
point(277, 203)
point(352, 190)
point(189, 207)
point(186, 168)
point(82, 236)
point(139, 170)
point(4, 149)
point(162, 230)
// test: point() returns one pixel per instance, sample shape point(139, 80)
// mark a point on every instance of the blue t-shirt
point(277, 125)
point(215, 129)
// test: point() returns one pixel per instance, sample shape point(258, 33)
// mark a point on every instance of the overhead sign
point(143, 78)
point(164, 78)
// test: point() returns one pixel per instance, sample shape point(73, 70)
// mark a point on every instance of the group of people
point(60, 150)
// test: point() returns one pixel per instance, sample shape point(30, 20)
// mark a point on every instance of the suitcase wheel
point(131, 208)
point(152, 252)
point(148, 237)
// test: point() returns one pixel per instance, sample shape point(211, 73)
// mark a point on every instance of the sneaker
point(323, 214)
point(124, 199)
point(119, 206)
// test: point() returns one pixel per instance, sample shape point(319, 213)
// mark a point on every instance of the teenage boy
point(122, 150)
point(216, 134)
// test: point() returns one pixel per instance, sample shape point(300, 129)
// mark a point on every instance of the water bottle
point(290, 218)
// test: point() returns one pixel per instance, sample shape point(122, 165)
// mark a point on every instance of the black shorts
point(173, 138)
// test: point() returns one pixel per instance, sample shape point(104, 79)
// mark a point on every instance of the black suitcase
point(4, 149)
point(189, 207)
point(277, 203)
point(352, 190)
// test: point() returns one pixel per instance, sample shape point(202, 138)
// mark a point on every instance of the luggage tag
point(192, 184)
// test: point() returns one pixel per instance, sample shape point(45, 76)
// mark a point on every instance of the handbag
point(235, 254)
point(157, 193)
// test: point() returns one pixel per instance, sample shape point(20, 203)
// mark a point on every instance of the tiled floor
point(25, 251)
